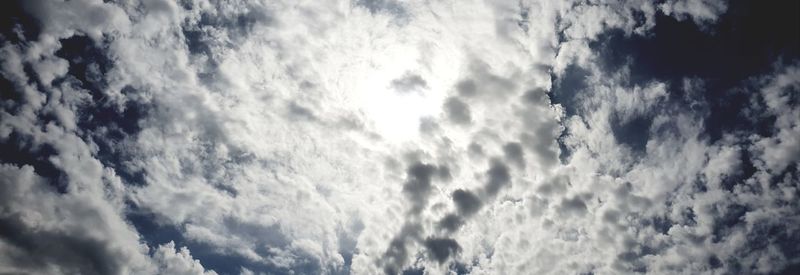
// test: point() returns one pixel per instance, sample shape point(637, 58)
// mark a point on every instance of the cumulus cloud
point(457, 111)
point(409, 83)
point(367, 137)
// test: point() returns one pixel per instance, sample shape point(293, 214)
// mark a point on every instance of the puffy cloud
point(441, 249)
point(466, 202)
point(180, 261)
point(409, 82)
point(381, 136)
point(457, 111)
point(782, 149)
point(77, 232)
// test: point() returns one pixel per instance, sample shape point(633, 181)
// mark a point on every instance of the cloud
point(498, 176)
point(384, 136)
point(513, 152)
point(418, 187)
point(388, 6)
point(466, 202)
point(574, 206)
point(441, 249)
point(782, 149)
point(457, 111)
point(178, 261)
point(395, 257)
point(409, 82)
point(43, 231)
point(699, 11)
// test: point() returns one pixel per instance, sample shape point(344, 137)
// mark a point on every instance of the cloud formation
point(369, 137)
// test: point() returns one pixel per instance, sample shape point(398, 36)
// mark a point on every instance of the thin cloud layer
point(370, 137)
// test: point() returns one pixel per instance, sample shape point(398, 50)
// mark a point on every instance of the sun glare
point(394, 114)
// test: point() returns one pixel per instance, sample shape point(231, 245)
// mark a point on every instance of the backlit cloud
point(387, 136)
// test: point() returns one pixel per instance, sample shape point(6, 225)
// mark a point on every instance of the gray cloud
point(396, 255)
point(467, 88)
point(475, 149)
point(36, 248)
point(441, 249)
point(573, 206)
point(417, 188)
point(201, 132)
point(418, 185)
point(388, 6)
point(301, 112)
point(484, 83)
point(409, 82)
point(498, 177)
point(542, 143)
point(457, 111)
point(466, 202)
point(451, 222)
point(513, 153)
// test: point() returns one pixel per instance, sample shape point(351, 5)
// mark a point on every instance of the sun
point(395, 115)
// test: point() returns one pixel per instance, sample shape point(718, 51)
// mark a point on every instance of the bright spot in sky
point(394, 114)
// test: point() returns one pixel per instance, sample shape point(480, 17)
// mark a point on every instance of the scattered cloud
point(368, 137)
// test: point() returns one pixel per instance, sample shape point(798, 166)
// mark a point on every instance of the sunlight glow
point(394, 114)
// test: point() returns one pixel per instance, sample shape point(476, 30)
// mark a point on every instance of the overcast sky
point(399, 137)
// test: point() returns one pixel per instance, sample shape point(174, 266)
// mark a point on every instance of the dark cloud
point(467, 88)
point(611, 216)
point(42, 248)
point(297, 111)
point(396, 255)
point(443, 173)
point(457, 111)
point(440, 249)
point(498, 177)
point(392, 7)
point(451, 222)
point(556, 186)
point(466, 202)
point(414, 271)
point(475, 149)
point(542, 142)
point(573, 206)
point(418, 185)
point(513, 153)
point(417, 188)
point(535, 96)
point(409, 83)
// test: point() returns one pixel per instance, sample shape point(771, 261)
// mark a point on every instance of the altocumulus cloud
point(372, 137)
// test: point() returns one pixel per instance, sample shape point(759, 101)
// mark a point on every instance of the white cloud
point(180, 261)
point(782, 149)
point(275, 133)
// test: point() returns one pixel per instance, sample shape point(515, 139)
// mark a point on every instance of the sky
point(399, 137)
